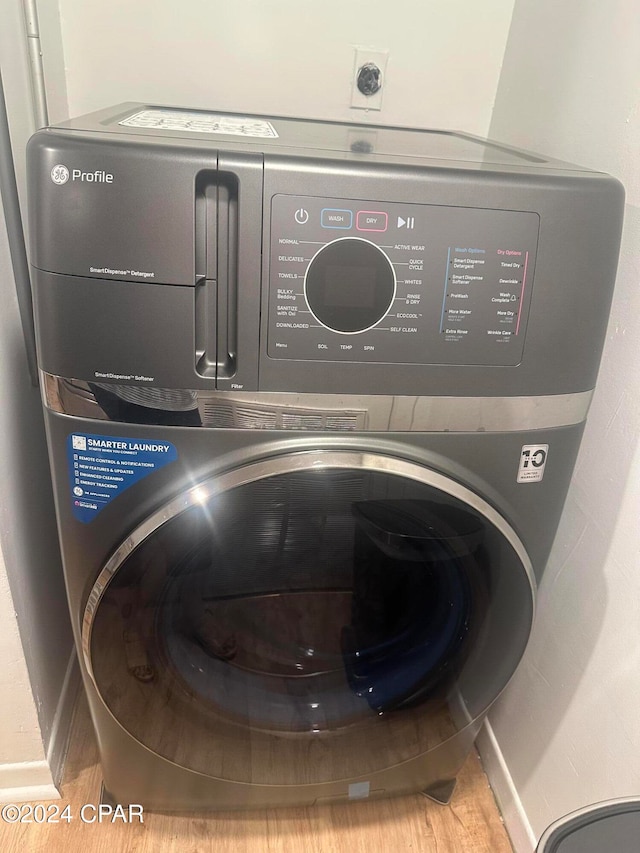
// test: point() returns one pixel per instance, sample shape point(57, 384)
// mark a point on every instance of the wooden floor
point(470, 824)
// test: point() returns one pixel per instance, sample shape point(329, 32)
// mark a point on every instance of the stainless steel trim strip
point(344, 412)
point(273, 466)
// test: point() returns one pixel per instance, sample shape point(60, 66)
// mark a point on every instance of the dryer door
point(309, 618)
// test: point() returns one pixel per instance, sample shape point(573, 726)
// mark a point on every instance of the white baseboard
point(513, 813)
point(26, 781)
point(61, 726)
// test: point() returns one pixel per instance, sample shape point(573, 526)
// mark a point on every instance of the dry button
point(332, 218)
point(371, 220)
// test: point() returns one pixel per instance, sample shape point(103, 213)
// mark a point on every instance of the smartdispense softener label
point(101, 467)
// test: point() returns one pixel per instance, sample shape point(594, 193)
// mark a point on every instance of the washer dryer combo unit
point(313, 394)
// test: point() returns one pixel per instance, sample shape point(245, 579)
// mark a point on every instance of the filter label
point(102, 466)
point(202, 122)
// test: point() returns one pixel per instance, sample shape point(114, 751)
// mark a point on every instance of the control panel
point(390, 282)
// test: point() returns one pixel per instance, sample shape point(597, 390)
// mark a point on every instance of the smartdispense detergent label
point(101, 467)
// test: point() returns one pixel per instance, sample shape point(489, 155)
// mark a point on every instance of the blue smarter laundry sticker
point(102, 466)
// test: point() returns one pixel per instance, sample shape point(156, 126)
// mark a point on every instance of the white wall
point(20, 738)
point(569, 725)
point(35, 638)
point(285, 57)
point(35, 635)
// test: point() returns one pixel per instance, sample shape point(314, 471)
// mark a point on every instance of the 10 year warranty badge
point(533, 458)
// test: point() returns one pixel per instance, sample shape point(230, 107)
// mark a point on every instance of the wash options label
point(102, 466)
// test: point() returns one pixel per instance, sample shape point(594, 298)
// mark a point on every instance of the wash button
point(331, 218)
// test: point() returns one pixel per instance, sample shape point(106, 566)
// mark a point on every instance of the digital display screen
point(349, 286)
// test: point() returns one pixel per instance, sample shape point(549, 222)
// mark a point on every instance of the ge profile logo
point(59, 175)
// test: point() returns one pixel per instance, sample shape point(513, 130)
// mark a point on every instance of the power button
point(301, 216)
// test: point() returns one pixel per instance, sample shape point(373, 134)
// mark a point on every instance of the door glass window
point(359, 617)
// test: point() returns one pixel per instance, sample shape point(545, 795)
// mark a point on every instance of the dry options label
point(102, 466)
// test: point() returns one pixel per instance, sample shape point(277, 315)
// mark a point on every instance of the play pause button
point(409, 222)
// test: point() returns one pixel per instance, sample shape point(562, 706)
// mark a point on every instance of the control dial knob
point(350, 285)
